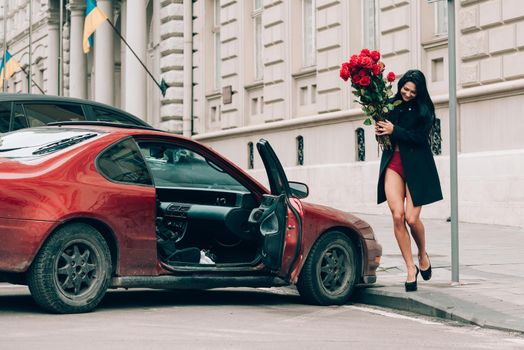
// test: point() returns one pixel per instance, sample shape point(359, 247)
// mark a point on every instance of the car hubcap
point(77, 269)
point(335, 269)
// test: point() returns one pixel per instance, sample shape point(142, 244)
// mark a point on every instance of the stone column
point(105, 57)
point(53, 46)
point(135, 74)
point(78, 60)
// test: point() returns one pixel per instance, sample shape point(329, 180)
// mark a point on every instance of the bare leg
point(417, 230)
point(395, 192)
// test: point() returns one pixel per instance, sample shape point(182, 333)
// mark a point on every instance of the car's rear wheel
point(71, 272)
point(330, 271)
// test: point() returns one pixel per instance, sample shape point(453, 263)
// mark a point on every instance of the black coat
point(411, 134)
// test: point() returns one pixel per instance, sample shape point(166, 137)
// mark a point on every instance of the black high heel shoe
point(426, 274)
point(412, 286)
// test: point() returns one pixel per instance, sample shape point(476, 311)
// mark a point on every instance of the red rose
point(375, 55)
point(353, 61)
point(344, 71)
point(365, 81)
point(375, 69)
point(364, 52)
point(366, 62)
point(363, 73)
point(355, 79)
point(391, 77)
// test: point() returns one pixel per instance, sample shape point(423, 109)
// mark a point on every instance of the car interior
point(203, 213)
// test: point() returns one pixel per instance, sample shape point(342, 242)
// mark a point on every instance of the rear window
point(40, 142)
point(41, 114)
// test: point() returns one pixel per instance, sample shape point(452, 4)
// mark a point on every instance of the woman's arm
point(417, 136)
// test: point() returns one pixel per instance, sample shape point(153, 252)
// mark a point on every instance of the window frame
point(258, 63)
point(366, 39)
point(114, 144)
point(313, 32)
point(205, 156)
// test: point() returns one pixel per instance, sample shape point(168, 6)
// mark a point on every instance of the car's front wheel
point(330, 271)
point(71, 272)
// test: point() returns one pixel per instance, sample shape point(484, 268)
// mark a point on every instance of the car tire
point(330, 271)
point(72, 270)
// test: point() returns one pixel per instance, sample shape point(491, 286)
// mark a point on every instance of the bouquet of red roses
point(372, 90)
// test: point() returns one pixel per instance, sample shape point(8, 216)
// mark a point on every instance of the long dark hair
point(423, 100)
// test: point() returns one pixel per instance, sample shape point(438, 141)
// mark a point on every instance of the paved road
point(229, 319)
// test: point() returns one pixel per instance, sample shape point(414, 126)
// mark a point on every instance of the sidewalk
point(491, 289)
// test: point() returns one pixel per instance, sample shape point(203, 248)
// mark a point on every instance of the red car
point(86, 206)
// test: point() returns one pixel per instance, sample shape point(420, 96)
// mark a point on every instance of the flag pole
point(60, 91)
point(29, 75)
point(5, 45)
point(34, 82)
point(162, 85)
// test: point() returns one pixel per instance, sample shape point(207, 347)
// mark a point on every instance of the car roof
point(9, 97)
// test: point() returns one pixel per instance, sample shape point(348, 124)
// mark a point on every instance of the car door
point(279, 218)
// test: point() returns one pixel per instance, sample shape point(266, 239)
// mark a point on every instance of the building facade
point(241, 70)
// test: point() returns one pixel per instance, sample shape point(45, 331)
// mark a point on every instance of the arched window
point(360, 141)
point(436, 138)
point(250, 156)
point(300, 150)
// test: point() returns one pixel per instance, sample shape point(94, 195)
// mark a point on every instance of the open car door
point(278, 217)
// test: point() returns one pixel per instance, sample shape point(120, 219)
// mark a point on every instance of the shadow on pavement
point(22, 302)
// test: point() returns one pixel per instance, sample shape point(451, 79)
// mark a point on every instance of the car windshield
point(39, 142)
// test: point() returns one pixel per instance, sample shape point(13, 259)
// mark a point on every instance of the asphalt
point(490, 291)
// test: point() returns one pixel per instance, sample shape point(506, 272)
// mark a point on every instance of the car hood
point(328, 217)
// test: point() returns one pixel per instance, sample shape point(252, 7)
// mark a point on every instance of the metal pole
point(5, 43)
point(453, 153)
point(188, 69)
point(60, 49)
point(30, 74)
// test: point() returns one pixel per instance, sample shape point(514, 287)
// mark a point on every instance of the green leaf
point(390, 106)
point(367, 121)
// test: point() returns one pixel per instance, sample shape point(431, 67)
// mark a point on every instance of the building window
point(309, 50)
point(369, 23)
point(441, 17)
point(217, 44)
point(250, 156)
point(300, 150)
point(436, 138)
point(361, 144)
point(257, 38)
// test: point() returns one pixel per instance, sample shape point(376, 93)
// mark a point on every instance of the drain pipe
point(187, 118)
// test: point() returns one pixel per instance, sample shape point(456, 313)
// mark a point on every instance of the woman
point(408, 176)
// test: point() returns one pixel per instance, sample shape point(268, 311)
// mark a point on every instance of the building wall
point(159, 44)
point(296, 97)
point(490, 74)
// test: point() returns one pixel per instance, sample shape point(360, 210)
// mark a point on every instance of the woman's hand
point(384, 128)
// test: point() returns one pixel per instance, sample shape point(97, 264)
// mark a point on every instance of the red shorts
point(395, 164)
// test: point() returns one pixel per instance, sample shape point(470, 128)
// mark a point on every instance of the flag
point(11, 66)
point(94, 17)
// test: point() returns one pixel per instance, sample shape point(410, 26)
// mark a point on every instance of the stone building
point(269, 68)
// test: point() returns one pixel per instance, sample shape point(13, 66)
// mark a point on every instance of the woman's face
point(408, 91)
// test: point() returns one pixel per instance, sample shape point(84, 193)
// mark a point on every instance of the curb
point(439, 305)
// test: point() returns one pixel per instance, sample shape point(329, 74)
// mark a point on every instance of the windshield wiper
point(11, 149)
point(55, 146)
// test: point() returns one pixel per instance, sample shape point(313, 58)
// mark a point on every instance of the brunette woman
point(408, 176)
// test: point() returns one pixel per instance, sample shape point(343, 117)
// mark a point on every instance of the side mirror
point(298, 189)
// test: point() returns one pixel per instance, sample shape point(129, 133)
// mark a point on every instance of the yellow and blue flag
point(94, 17)
point(11, 66)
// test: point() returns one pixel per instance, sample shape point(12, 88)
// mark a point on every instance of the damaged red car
point(88, 206)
